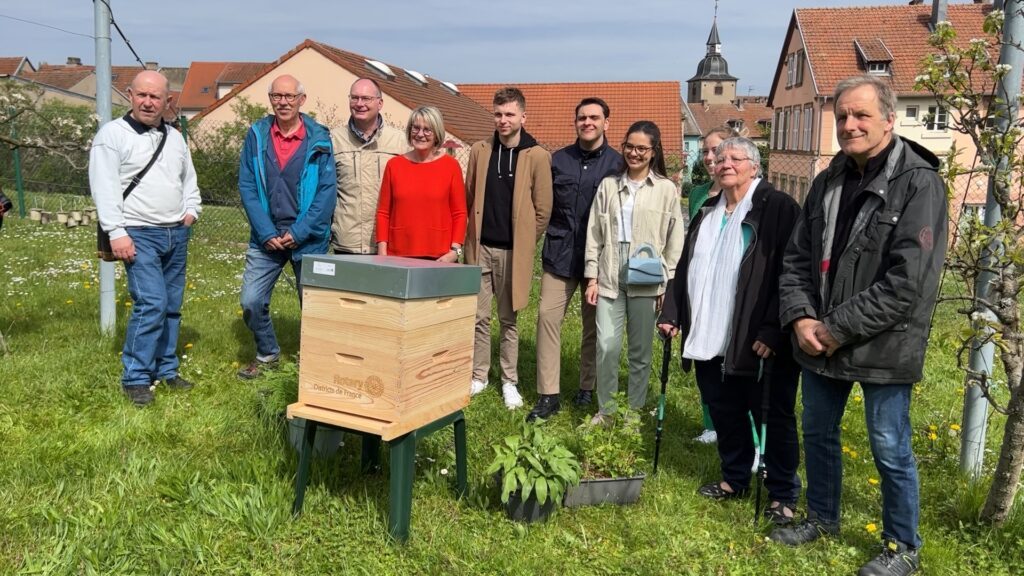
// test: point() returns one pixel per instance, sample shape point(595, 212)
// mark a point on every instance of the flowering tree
point(964, 77)
point(54, 128)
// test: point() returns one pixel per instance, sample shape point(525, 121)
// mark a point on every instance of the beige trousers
point(556, 293)
point(496, 282)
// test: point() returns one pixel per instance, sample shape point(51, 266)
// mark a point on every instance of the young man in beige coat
point(508, 196)
point(361, 150)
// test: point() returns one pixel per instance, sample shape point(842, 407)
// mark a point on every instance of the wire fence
point(50, 184)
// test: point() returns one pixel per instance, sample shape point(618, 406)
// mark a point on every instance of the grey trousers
point(634, 316)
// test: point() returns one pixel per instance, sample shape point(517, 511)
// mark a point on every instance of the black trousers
point(730, 398)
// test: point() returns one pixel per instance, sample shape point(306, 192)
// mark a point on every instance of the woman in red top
point(422, 208)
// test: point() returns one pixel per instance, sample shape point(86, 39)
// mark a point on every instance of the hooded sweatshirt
point(496, 225)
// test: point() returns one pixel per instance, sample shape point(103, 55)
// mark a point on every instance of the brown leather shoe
point(255, 369)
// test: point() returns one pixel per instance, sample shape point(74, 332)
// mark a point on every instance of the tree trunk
point(1006, 479)
point(1008, 469)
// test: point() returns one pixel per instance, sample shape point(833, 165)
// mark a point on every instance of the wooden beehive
point(386, 339)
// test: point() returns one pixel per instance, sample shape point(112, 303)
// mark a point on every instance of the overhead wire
point(34, 23)
point(127, 43)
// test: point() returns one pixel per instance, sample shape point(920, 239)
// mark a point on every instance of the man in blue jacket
point(287, 183)
point(576, 171)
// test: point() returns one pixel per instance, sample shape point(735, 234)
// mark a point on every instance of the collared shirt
point(285, 146)
point(360, 134)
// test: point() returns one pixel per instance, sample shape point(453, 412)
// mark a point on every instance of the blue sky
point(454, 40)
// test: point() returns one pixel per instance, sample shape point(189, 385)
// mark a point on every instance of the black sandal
point(715, 491)
point(777, 514)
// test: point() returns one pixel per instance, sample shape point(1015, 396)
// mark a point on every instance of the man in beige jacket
point(508, 196)
point(361, 150)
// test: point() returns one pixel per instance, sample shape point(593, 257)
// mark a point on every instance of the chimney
point(938, 12)
point(916, 2)
point(152, 66)
point(74, 61)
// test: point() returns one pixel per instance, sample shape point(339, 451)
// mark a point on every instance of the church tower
point(712, 83)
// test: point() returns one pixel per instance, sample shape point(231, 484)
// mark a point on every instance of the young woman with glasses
point(639, 207)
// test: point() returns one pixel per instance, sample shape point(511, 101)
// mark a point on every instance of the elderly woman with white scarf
point(724, 301)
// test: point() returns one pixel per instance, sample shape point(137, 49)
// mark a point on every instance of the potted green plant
point(281, 388)
point(534, 470)
point(611, 458)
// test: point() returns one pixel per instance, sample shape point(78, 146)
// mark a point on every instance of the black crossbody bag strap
point(138, 177)
point(103, 248)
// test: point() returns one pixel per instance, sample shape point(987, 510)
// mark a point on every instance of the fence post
point(183, 122)
point(19, 184)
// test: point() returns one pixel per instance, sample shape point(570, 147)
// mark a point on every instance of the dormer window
point(879, 68)
point(874, 56)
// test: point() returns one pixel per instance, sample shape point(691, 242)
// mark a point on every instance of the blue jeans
point(156, 282)
point(261, 272)
point(887, 412)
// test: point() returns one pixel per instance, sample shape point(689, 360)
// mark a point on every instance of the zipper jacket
point(312, 226)
point(880, 301)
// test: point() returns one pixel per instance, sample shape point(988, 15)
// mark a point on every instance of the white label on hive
point(324, 268)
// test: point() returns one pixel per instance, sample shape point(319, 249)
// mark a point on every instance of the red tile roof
point(9, 66)
point(121, 77)
point(550, 106)
point(873, 50)
point(754, 109)
point(199, 90)
point(463, 117)
point(200, 87)
point(829, 34)
point(59, 76)
point(238, 72)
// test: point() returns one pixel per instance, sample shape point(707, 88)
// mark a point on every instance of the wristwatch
point(458, 251)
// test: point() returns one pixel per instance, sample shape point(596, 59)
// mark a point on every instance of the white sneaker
point(757, 460)
point(476, 387)
point(707, 437)
point(510, 393)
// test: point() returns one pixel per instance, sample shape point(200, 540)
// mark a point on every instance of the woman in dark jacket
point(726, 306)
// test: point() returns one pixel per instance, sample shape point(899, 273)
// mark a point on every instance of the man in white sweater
point(149, 229)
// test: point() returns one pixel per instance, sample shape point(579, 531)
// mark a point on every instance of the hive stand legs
point(302, 475)
point(460, 456)
point(403, 453)
point(370, 455)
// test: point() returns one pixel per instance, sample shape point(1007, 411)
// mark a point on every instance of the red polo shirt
point(285, 146)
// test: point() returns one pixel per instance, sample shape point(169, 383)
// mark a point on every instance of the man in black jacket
point(576, 172)
point(859, 282)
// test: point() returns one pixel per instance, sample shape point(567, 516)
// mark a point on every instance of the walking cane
point(666, 356)
point(762, 474)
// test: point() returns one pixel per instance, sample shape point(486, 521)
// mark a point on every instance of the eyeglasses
point(421, 130)
point(276, 97)
point(362, 99)
point(641, 150)
point(730, 159)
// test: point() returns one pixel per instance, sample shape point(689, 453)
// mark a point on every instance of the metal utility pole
point(1006, 106)
point(108, 310)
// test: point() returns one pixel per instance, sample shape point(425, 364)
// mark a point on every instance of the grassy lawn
point(202, 482)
